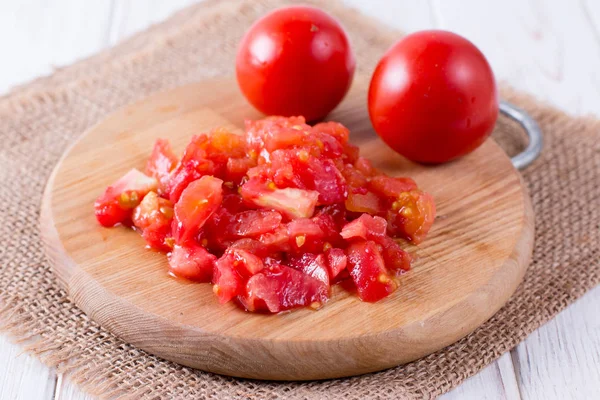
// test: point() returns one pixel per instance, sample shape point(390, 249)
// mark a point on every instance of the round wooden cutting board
point(472, 261)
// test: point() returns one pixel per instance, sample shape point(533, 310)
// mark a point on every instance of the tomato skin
point(162, 161)
point(116, 204)
point(433, 97)
point(153, 217)
point(198, 202)
point(191, 262)
point(368, 271)
point(295, 61)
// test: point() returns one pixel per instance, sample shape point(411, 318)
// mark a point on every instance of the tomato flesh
point(292, 202)
point(365, 227)
point(367, 269)
point(116, 204)
point(275, 217)
point(198, 202)
point(314, 265)
point(154, 217)
point(412, 215)
point(162, 161)
point(192, 262)
point(281, 288)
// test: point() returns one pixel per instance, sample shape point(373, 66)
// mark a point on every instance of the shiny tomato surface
point(433, 97)
point(302, 212)
point(295, 61)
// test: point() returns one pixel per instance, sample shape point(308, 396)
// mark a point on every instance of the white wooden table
point(550, 48)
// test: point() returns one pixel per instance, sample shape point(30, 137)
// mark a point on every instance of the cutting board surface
point(472, 261)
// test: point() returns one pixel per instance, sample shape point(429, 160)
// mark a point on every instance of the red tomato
point(197, 203)
point(298, 210)
point(433, 97)
point(336, 261)
point(192, 262)
point(295, 61)
point(368, 271)
point(281, 288)
point(161, 163)
point(117, 202)
point(411, 215)
point(154, 216)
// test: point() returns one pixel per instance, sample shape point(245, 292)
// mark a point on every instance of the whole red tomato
point(295, 61)
point(433, 97)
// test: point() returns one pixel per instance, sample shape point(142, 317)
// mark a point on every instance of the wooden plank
point(406, 15)
point(23, 377)
point(542, 52)
point(496, 382)
point(561, 360)
point(65, 390)
point(547, 48)
point(39, 36)
point(131, 16)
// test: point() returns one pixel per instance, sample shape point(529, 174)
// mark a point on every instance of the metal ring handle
point(534, 148)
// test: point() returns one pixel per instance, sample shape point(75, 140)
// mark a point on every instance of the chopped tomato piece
point(117, 202)
point(213, 234)
point(277, 241)
point(280, 288)
point(364, 203)
point(197, 203)
point(367, 269)
point(294, 203)
point(275, 216)
point(314, 265)
point(227, 281)
point(181, 177)
point(254, 223)
point(357, 182)
point(162, 161)
point(336, 261)
point(154, 216)
point(246, 263)
point(351, 153)
point(412, 215)
point(224, 143)
point(331, 232)
point(391, 187)
point(191, 262)
point(193, 165)
point(364, 167)
point(335, 129)
point(305, 235)
point(251, 246)
point(395, 258)
point(261, 132)
point(300, 169)
point(237, 168)
point(365, 227)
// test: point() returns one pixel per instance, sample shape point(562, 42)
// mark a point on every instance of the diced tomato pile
point(275, 217)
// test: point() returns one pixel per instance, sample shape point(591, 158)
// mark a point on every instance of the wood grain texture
point(471, 263)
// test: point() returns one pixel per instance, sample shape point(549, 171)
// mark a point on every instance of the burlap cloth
point(40, 120)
